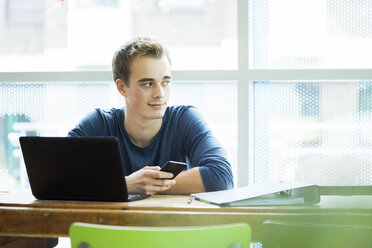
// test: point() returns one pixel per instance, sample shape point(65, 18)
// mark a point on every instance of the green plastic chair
point(85, 235)
point(293, 234)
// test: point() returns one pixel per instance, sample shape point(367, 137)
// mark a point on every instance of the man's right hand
point(149, 180)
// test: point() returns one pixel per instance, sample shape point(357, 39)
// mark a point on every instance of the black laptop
point(75, 168)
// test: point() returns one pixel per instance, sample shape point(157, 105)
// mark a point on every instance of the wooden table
point(22, 215)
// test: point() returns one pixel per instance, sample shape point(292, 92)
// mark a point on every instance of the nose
point(158, 91)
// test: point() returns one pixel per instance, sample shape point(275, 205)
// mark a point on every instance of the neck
point(141, 131)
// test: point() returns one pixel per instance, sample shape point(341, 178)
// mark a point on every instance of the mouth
point(156, 105)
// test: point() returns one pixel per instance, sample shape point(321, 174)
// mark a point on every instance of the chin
point(157, 114)
point(154, 116)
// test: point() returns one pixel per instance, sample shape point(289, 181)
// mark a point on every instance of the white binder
point(266, 193)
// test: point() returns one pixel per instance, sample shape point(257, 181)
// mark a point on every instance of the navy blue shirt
point(184, 136)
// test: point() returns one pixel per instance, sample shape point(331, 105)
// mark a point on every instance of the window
point(81, 36)
point(52, 109)
point(24, 13)
point(78, 34)
point(311, 130)
point(302, 34)
point(284, 84)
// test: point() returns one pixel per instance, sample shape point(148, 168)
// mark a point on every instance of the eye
point(167, 82)
point(147, 84)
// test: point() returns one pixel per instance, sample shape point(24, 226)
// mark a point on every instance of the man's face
point(149, 87)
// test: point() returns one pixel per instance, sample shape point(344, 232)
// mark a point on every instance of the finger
point(164, 175)
point(152, 189)
point(157, 174)
point(156, 168)
point(159, 182)
point(152, 185)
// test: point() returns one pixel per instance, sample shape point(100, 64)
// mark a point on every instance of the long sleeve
point(204, 150)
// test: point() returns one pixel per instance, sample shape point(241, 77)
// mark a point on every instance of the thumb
point(155, 168)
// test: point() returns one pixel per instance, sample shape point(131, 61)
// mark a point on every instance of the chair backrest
point(321, 235)
point(85, 235)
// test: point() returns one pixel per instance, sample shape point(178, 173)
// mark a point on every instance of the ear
point(120, 85)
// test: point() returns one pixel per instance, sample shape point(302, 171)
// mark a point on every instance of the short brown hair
point(138, 47)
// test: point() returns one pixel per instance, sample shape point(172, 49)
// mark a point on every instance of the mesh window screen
point(51, 109)
point(314, 132)
point(302, 34)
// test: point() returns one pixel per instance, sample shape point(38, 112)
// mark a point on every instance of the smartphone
point(173, 167)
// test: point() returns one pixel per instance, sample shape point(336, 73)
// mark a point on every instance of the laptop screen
point(74, 168)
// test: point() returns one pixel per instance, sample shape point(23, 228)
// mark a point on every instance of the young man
point(150, 133)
